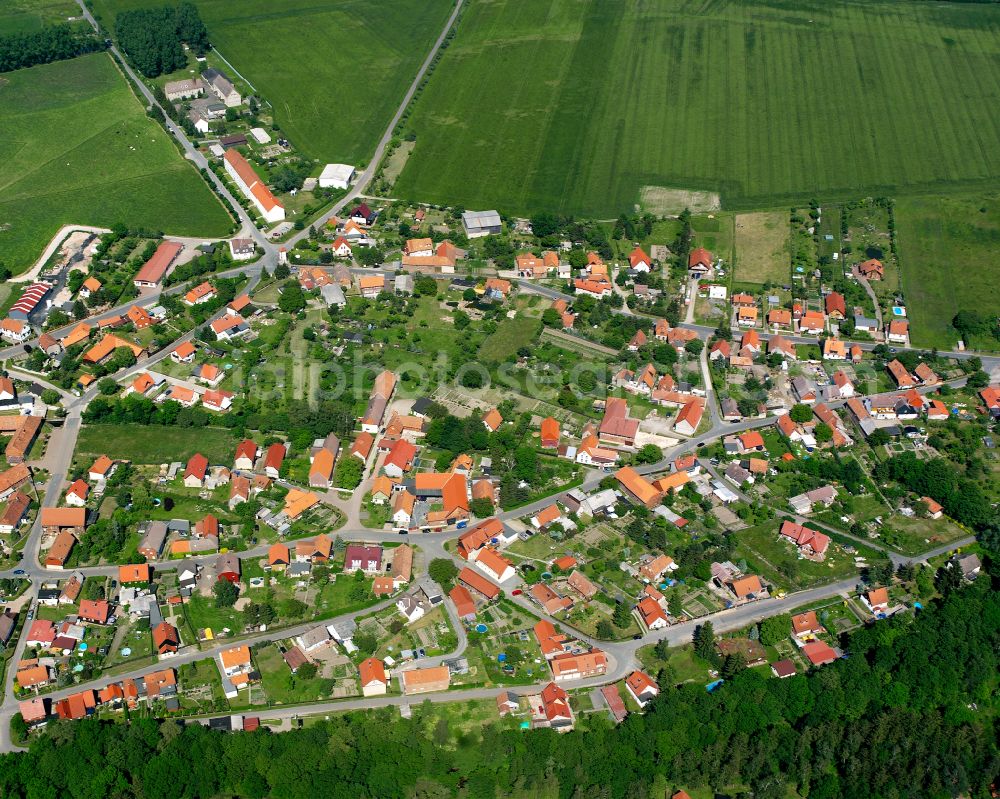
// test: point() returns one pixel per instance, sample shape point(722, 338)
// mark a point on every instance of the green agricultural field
point(28, 16)
point(576, 106)
point(155, 444)
point(334, 70)
point(948, 259)
point(76, 147)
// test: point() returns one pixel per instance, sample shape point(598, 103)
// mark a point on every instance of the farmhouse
point(221, 87)
point(153, 271)
point(250, 184)
point(184, 89)
point(637, 488)
point(617, 427)
point(699, 262)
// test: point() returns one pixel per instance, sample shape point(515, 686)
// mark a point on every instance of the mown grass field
point(77, 147)
point(155, 444)
point(762, 247)
point(948, 258)
point(334, 70)
point(28, 16)
point(576, 105)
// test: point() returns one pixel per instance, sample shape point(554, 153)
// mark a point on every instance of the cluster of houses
point(51, 645)
point(418, 501)
point(805, 321)
point(129, 692)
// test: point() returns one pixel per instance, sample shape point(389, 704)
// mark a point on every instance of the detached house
point(699, 262)
point(197, 468)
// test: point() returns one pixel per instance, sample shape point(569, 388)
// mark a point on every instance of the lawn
point(283, 687)
point(510, 335)
point(915, 535)
point(578, 106)
point(947, 254)
point(334, 70)
point(78, 148)
point(686, 665)
point(155, 444)
point(762, 254)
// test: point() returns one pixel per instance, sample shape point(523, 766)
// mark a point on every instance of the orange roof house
point(33, 676)
point(183, 352)
point(652, 614)
point(297, 502)
point(812, 321)
point(806, 624)
point(570, 666)
point(700, 260)
point(139, 317)
point(479, 583)
point(899, 373)
point(689, 417)
point(836, 307)
point(321, 469)
point(362, 445)
point(142, 383)
point(638, 487)
point(464, 604)
point(872, 269)
point(235, 659)
point(106, 346)
point(877, 599)
point(420, 681)
point(819, 653)
point(493, 420)
point(134, 573)
point(779, 317)
point(372, 676)
point(746, 586)
point(63, 518)
point(79, 333)
point(674, 481)
point(550, 433)
point(200, 293)
point(277, 556)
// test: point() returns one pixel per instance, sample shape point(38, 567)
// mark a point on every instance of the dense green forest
point(910, 713)
point(154, 37)
point(54, 43)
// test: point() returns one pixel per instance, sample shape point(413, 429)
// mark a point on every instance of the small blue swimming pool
point(898, 310)
point(481, 628)
point(501, 658)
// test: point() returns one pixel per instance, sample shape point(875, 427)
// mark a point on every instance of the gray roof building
point(481, 223)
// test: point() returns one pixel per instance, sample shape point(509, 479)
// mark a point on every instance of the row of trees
point(54, 43)
point(906, 715)
point(154, 37)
